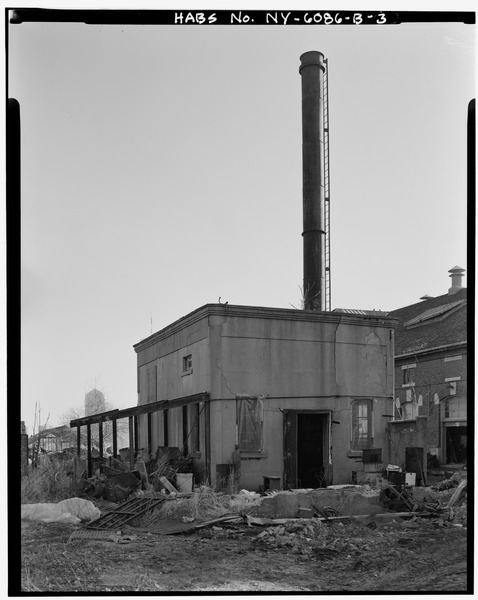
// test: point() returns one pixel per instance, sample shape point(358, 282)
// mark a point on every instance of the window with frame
point(455, 408)
point(49, 443)
point(409, 407)
point(409, 376)
point(187, 364)
point(362, 435)
point(249, 422)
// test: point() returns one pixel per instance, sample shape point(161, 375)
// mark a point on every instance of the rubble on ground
point(114, 483)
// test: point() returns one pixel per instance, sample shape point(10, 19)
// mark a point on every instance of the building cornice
point(260, 312)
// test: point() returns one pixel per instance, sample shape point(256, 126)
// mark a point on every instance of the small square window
point(187, 363)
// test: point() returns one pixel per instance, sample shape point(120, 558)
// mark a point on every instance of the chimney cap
point(456, 274)
point(311, 58)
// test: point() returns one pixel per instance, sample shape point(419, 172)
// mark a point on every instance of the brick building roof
point(431, 323)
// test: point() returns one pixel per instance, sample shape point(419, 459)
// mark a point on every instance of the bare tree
point(41, 429)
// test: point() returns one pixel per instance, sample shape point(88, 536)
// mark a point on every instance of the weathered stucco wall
point(297, 360)
point(271, 463)
point(286, 360)
point(164, 352)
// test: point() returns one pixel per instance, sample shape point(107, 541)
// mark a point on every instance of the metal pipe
point(313, 179)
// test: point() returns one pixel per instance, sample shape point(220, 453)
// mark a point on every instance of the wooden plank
point(224, 519)
point(457, 493)
point(168, 485)
point(391, 515)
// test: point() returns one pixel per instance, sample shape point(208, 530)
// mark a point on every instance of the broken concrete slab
point(345, 501)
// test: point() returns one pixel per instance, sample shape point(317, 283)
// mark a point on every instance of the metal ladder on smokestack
point(328, 293)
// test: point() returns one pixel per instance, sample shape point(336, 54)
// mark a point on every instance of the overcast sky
point(161, 170)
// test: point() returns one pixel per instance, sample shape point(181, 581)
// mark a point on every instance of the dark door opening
point(306, 444)
point(310, 450)
point(414, 463)
point(456, 442)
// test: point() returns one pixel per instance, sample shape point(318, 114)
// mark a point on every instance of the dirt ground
point(418, 555)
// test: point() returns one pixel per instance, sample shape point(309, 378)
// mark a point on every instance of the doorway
point(456, 443)
point(306, 449)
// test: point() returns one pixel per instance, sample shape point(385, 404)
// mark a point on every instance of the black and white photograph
point(238, 249)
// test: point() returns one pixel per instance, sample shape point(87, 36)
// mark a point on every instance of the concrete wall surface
point(294, 360)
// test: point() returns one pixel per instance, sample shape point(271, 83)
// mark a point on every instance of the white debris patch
point(72, 510)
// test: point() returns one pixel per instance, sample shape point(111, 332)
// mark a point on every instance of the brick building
point(431, 379)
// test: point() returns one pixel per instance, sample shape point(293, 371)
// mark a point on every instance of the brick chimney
point(456, 275)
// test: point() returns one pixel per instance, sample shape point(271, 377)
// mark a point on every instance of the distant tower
point(94, 402)
point(315, 173)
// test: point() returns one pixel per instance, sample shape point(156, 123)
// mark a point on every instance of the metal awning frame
point(132, 414)
point(114, 415)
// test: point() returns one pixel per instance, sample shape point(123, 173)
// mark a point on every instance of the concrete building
point(273, 393)
point(267, 394)
point(431, 379)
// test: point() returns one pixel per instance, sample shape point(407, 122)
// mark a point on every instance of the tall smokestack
point(312, 69)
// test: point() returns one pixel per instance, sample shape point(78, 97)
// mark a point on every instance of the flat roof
point(262, 312)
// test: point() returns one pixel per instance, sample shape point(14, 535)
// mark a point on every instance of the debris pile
point(167, 464)
point(311, 538)
point(445, 500)
point(114, 481)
